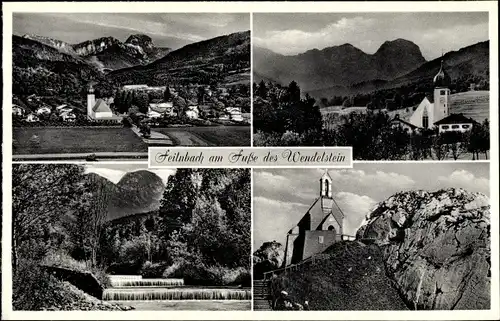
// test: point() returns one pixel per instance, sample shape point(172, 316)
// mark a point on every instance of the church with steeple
point(98, 110)
point(320, 227)
point(434, 111)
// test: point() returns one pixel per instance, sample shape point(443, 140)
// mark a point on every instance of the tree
point(178, 201)
point(141, 100)
point(262, 90)
point(166, 94)
point(41, 195)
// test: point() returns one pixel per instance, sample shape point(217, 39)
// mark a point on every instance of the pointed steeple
point(442, 79)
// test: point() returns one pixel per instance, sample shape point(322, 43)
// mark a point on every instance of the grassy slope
point(352, 279)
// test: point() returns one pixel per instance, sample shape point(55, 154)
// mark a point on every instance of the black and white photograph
point(92, 86)
point(394, 86)
point(124, 238)
point(376, 237)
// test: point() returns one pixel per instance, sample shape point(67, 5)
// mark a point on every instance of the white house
point(32, 118)
point(43, 110)
point(17, 110)
point(157, 110)
point(455, 123)
point(134, 87)
point(192, 112)
point(433, 109)
point(68, 117)
point(234, 113)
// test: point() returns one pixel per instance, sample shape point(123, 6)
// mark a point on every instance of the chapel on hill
point(320, 227)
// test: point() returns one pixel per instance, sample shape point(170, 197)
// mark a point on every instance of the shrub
point(35, 289)
point(125, 268)
point(174, 271)
point(61, 259)
point(201, 274)
point(152, 270)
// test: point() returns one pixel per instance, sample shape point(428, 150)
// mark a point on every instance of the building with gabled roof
point(321, 226)
point(455, 123)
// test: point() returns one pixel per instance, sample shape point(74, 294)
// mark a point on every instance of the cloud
point(464, 179)
point(383, 179)
point(355, 207)
point(273, 219)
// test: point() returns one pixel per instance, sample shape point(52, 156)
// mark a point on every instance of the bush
point(152, 270)
point(35, 289)
point(125, 268)
point(61, 259)
point(174, 271)
point(201, 274)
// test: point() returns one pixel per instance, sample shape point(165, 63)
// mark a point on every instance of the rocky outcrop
point(85, 281)
point(268, 257)
point(436, 247)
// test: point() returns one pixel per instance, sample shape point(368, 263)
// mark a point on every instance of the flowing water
point(164, 294)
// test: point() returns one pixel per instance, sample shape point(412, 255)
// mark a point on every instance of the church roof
point(455, 119)
point(442, 79)
point(101, 107)
point(430, 98)
point(397, 119)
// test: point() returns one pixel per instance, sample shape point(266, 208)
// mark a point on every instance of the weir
point(135, 288)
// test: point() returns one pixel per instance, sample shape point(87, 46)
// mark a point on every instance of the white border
point(250, 7)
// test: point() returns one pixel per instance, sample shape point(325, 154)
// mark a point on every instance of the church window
point(455, 127)
point(425, 121)
point(327, 187)
point(321, 239)
point(443, 92)
point(445, 127)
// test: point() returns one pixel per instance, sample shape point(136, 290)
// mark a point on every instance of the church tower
point(442, 83)
point(325, 189)
point(90, 101)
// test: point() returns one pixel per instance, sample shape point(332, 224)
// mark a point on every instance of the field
point(75, 140)
point(208, 136)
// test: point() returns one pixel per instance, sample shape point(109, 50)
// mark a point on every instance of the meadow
point(208, 136)
point(40, 140)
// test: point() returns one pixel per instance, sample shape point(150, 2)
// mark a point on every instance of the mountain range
point(345, 69)
point(136, 192)
point(50, 67)
point(108, 53)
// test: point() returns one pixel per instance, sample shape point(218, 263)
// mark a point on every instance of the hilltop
point(416, 250)
point(210, 60)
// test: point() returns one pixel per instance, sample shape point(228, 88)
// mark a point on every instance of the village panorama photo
point(123, 237)
point(400, 236)
point(370, 81)
point(108, 85)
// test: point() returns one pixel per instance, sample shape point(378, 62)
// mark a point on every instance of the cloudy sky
point(172, 30)
point(114, 172)
point(292, 33)
point(282, 196)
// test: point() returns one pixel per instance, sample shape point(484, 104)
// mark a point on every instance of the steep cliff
point(436, 247)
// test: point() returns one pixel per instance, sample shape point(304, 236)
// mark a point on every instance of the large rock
point(436, 247)
point(268, 257)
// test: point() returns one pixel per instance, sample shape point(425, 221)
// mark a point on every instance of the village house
point(455, 123)
point(17, 110)
point(406, 126)
point(192, 112)
point(320, 227)
point(158, 109)
point(68, 116)
point(43, 110)
point(234, 113)
point(32, 118)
